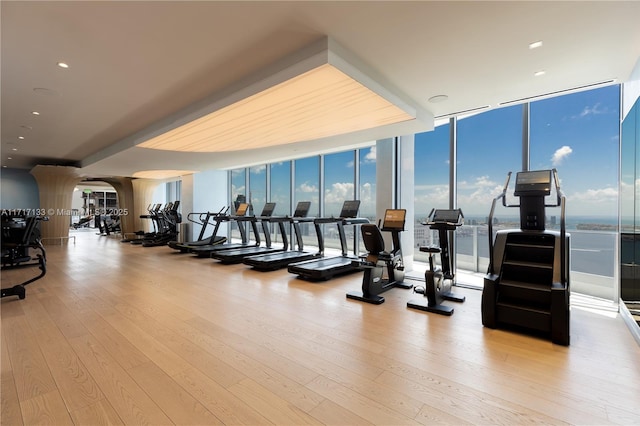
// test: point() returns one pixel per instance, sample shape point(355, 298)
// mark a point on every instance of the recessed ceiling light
point(21, 137)
point(63, 65)
point(14, 149)
point(9, 158)
point(539, 73)
point(535, 45)
point(438, 98)
point(35, 113)
point(4, 167)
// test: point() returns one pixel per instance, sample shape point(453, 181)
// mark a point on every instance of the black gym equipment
point(377, 261)
point(21, 234)
point(527, 283)
point(439, 281)
point(139, 236)
point(167, 221)
point(203, 220)
point(240, 218)
point(324, 268)
point(237, 255)
point(278, 260)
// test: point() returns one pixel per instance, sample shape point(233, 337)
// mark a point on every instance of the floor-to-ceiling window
point(339, 186)
point(489, 146)
point(280, 193)
point(280, 187)
point(238, 195)
point(257, 188)
point(367, 187)
point(431, 184)
point(578, 134)
point(307, 188)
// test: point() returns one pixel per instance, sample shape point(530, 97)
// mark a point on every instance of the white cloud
point(560, 155)
point(305, 187)
point(370, 157)
point(600, 195)
point(593, 110)
point(339, 192)
point(258, 169)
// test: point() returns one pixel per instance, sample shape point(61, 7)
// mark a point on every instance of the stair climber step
point(523, 316)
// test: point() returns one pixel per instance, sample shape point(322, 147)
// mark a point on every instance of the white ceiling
point(134, 65)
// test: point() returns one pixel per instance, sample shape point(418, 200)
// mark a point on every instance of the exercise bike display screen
point(242, 209)
point(449, 216)
point(394, 219)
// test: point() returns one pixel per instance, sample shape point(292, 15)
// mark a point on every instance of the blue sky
point(577, 134)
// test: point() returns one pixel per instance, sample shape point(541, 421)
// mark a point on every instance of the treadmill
point(278, 260)
point(325, 268)
point(213, 239)
point(241, 211)
point(238, 254)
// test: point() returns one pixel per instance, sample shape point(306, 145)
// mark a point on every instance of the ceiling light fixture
point(21, 137)
point(438, 98)
point(539, 73)
point(535, 45)
point(35, 113)
point(161, 174)
point(313, 94)
point(14, 149)
point(63, 65)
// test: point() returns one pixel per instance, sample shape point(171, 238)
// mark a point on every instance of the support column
point(124, 189)
point(394, 187)
point(56, 184)
point(143, 196)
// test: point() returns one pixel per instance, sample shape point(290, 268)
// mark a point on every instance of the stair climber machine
point(439, 281)
point(203, 220)
point(527, 283)
point(377, 262)
point(21, 235)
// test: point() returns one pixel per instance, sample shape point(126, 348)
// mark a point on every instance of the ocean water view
point(593, 240)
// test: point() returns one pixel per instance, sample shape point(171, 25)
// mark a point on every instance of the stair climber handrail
point(561, 202)
point(502, 195)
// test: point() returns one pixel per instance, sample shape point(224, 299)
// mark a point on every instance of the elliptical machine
point(377, 260)
point(438, 281)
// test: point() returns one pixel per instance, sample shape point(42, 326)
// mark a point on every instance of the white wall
point(210, 193)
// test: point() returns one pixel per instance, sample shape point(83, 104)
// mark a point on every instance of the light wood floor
point(123, 334)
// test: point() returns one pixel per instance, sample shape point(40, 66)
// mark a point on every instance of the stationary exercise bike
point(438, 281)
point(377, 260)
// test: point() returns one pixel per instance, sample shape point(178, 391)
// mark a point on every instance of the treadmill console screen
point(242, 209)
point(533, 183)
point(268, 209)
point(302, 209)
point(394, 219)
point(350, 208)
point(446, 215)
